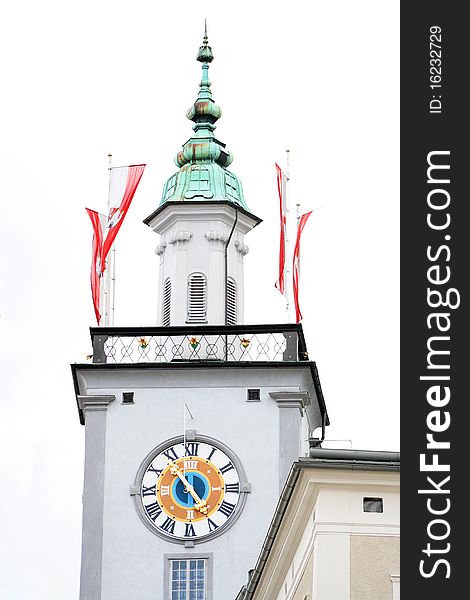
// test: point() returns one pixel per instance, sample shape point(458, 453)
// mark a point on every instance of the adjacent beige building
point(335, 532)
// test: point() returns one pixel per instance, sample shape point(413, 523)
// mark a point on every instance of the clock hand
point(200, 504)
point(174, 470)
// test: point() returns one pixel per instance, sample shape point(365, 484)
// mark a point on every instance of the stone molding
point(174, 214)
point(160, 249)
point(91, 403)
point(241, 247)
point(291, 399)
point(216, 236)
point(180, 238)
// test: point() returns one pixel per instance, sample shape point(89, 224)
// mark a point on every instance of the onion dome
point(203, 159)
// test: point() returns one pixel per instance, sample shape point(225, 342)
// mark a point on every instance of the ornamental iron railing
point(238, 343)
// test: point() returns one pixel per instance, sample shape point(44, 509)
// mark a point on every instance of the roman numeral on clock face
point(189, 530)
point(153, 510)
point(212, 526)
point(165, 490)
point(227, 467)
point(168, 525)
point(226, 508)
point(170, 454)
point(212, 452)
point(152, 469)
point(232, 487)
point(191, 449)
point(149, 491)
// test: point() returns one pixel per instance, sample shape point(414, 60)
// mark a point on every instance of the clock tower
point(191, 426)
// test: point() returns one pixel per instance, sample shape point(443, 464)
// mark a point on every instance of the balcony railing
point(235, 343)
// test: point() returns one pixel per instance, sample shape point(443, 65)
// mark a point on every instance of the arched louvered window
point(197, 298)
point(166, 305)
point(232, 302)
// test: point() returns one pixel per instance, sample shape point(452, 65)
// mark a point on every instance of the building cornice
point(197, 365)
point(345, 460)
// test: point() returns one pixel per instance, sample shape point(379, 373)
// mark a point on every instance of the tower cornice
point(171, 212)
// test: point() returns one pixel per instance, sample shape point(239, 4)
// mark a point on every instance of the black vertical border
point(421, 133)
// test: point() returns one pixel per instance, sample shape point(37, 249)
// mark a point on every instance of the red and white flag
point(281, 188)
point(123, 183)
point(95, 272)
point(296, 269)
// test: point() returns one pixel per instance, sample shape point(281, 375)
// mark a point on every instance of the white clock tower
point(191, 427)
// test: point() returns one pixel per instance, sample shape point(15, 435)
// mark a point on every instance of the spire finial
point(203, 155)
point(204, 113)
point(205, 51)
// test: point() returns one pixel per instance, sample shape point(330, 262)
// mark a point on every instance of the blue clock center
point(200, 485)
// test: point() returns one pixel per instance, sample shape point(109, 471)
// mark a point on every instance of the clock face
point(191, 491)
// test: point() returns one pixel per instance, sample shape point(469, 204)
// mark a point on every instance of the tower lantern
point(202, 219)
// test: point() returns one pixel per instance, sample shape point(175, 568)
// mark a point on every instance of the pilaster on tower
point(202, 219)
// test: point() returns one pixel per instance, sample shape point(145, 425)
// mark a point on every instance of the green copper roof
point(203, 159)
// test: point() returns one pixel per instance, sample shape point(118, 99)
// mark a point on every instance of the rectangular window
point(188, 579)
point(375, 505)
point(127, 397)
point(253, 395)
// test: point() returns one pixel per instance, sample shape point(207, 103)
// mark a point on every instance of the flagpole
point(112, 286)
point(297, 224)
point(107, 275)
point(287, 277)
point(112, 265)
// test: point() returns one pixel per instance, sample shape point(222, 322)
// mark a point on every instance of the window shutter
point(197, 303)
point(232, 305)
point(166, 307)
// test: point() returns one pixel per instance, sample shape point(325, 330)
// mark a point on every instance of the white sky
point(81, 79)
